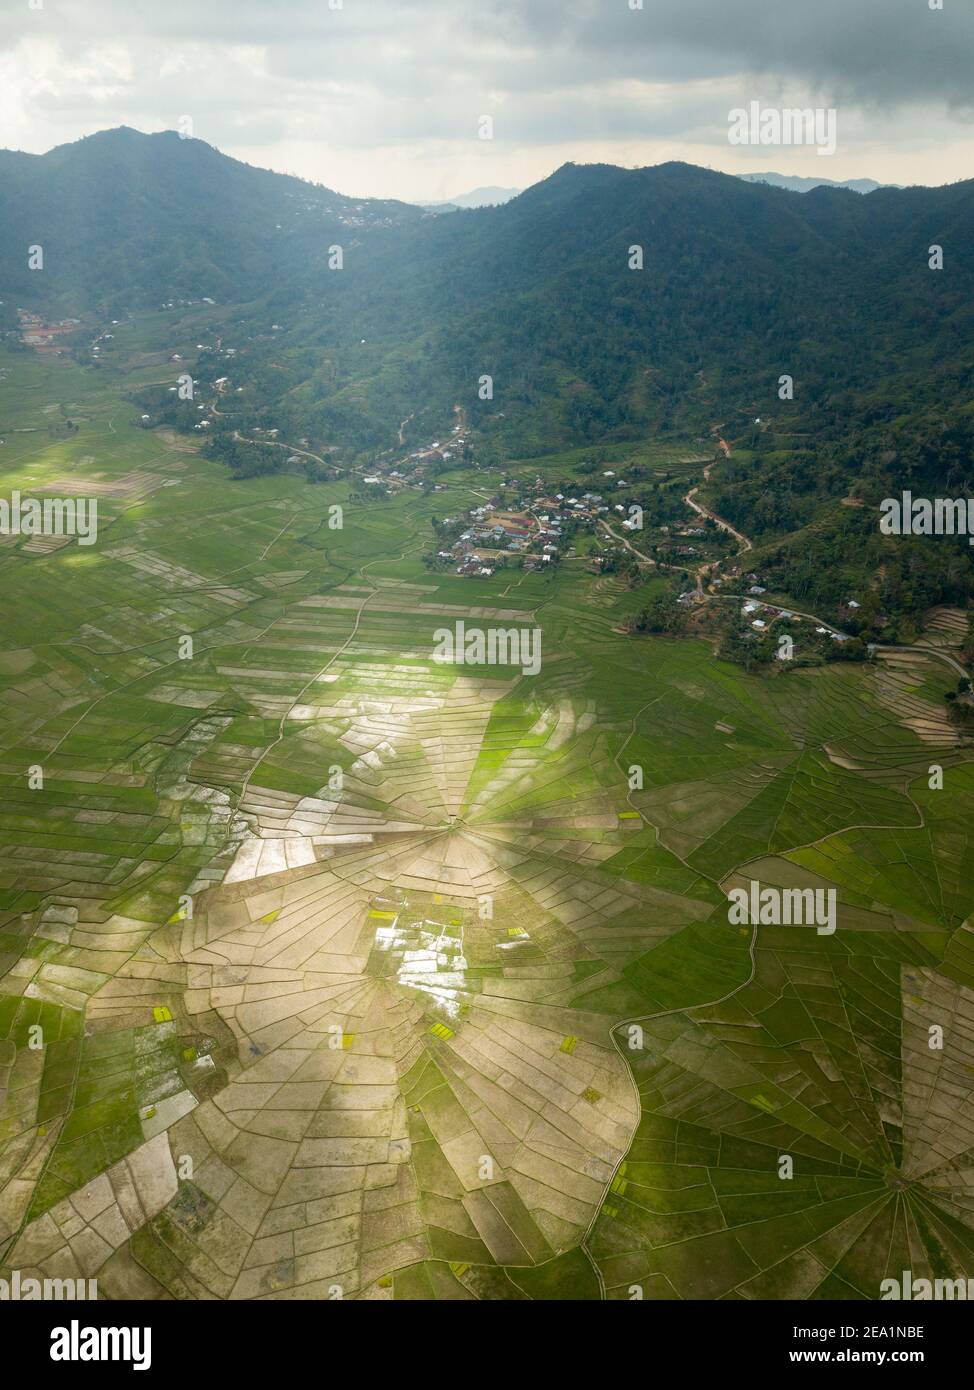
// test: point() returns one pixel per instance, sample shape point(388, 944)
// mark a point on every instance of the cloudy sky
point(385, 97)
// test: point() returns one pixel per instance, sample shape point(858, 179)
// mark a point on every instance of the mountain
point(532, 318)
point(478, 198)
point(804, 185)
point(741, 284)
point(129, 219)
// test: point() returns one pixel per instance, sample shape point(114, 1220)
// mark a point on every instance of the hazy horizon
point(388, 100)
point(462, 192)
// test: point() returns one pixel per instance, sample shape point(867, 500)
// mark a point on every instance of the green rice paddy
point(311, 652)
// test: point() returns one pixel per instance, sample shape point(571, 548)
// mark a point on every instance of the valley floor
point(329, 970)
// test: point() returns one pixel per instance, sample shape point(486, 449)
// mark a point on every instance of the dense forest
point(828, 335)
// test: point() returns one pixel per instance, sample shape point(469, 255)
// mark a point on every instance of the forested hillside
point(601, 305)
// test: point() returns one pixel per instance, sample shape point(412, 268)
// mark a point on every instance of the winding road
point(747, 544)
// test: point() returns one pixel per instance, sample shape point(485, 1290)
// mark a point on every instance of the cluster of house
point(105, 337)
point(555, 513)
point(397, 474)
point(682, 552)
point(186, 303)
point(492, 537)
point(320, 205)
point(392, 479)
point(761, 615)
point(42, 336)
point(531, 531)
point(753, 605)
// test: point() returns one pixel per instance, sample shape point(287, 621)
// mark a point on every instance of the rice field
point(329, 970)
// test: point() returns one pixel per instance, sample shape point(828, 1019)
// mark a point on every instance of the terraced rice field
point(327, 970)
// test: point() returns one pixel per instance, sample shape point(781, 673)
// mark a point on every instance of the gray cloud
point(416, 74)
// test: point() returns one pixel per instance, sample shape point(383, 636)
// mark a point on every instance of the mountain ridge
point(740, 283)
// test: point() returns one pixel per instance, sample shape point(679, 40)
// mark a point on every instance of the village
point(525, 526)
point(44, 337)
